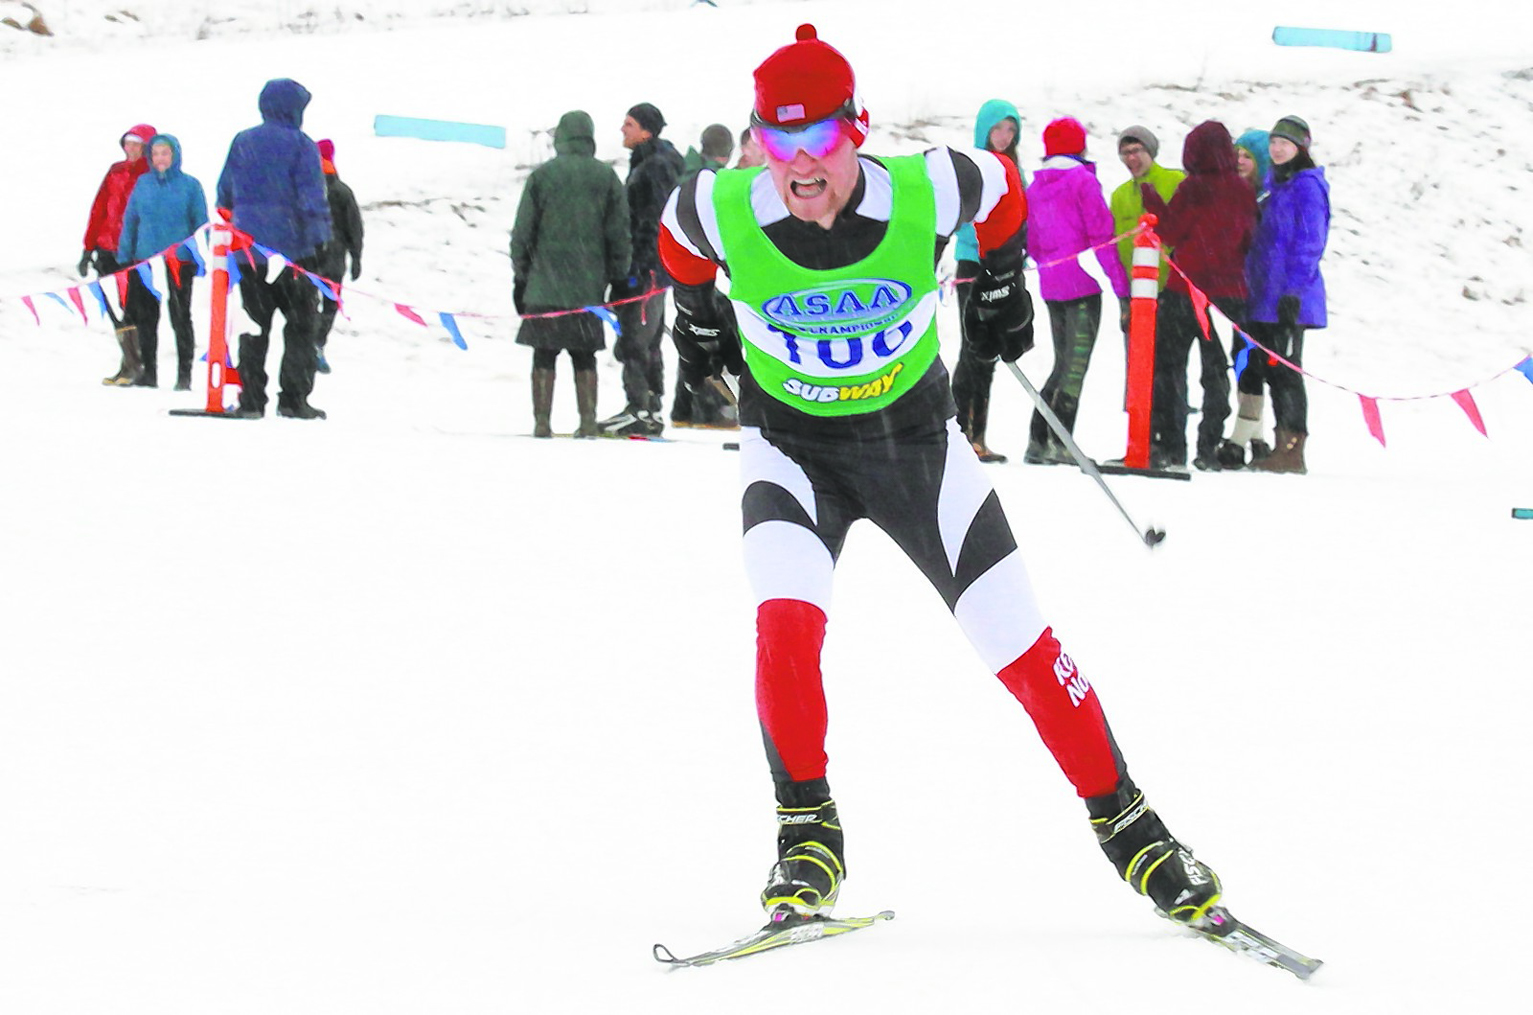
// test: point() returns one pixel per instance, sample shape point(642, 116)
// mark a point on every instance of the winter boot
point(184, 377)
point(132, 364)
point(298, 408)
point(585, 403)
point(808, 873)
point(1287, 454)
point(1230, 455)
point(1149, 858)
point(542, 402)
point(1207, 459)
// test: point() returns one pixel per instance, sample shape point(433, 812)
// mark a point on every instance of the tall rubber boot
point(542, 402)
point(132, 364)
point(585, 403)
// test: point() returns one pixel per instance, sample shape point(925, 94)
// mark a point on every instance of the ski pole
point(1151, 536)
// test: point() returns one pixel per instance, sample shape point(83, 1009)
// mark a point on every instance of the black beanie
point(648, 117)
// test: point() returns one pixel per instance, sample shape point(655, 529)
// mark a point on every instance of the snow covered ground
point(401, 713)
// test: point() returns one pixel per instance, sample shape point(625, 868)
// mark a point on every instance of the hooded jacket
point(1286, 251)
point(105, 224)
point(1066, 215)
point(164, 209)
point(571, 233)
point(965, 244)
point(271, 179)
point(1210, 220)
point(1255, 142)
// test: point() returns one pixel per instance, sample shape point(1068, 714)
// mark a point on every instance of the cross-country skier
point(847, 413)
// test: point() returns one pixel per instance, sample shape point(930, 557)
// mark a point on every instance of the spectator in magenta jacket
point(1209, 223)
point(1067, 215)
point(1287, 294)
point(103, 230)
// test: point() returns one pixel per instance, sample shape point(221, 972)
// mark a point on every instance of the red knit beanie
point(326, 149)
point(1064, 136)
point(806, 81)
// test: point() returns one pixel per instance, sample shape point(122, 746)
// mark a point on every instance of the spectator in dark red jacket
point(104, 230)
point(1209, 223)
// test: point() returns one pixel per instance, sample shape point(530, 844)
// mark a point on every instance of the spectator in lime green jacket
point(1137, 148)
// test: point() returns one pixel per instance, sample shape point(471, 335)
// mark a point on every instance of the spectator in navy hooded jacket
point(273, 185)
point(165, 208)
point(1208, 222)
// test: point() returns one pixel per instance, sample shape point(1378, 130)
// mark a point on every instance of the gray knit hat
point(1144, 136)
point(1294, 129)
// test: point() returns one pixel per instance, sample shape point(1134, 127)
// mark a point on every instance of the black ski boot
point(1149, 858)
point(809, 870)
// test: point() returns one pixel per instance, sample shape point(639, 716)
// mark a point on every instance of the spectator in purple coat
point(1066, 216)
point(1287, 294)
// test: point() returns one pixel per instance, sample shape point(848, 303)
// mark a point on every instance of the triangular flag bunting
point(1244, 355)
point(96, 291)
point(146, 275)
point(79, 302)
point(1466, 402)
point(59, 300)
point(1526, 368)
point(609, 317)
point(452, 329)
point(32, 307)
point(1199, 309)
point(1371, 415)
point(406, 312)
point(122, 288)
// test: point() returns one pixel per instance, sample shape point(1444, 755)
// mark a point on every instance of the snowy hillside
point(402, 713)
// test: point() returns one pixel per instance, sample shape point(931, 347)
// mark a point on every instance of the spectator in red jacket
point(103, 232)
point(1209, 222)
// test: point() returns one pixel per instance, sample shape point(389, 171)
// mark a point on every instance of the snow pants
point(638, 349)
point(1177, 332)
point(1290, 403)
point(1074, 325)
point(144, 311)
point(931, 495)
point(298, 301)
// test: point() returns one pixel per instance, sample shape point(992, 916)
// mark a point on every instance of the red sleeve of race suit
point(681, 264)
point(1009, 214)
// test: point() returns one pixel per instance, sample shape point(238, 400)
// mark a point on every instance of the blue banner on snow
point(439, 130)
point(1333, 38)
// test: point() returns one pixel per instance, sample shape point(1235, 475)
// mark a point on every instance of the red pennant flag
point(32, 307)
point(1371, 415)
point(407, 312)
point(79, 302)
point(1466, 402)
point(1200, 309)
point(122, 287)
point(174, 264)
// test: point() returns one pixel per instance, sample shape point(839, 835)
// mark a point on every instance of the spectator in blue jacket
point(273, 185)
point(166, 207)
point(995, 129)
point(1283, 273)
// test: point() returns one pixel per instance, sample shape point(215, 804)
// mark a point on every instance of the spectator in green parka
point(570, 242)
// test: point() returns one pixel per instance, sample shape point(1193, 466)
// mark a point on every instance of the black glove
point(518, 296)
point(84, 264)
point(1125, 313)
point(1000, 312)
point(622, 288)
point(1288, 311)
point(706, 335)
point(356, 268)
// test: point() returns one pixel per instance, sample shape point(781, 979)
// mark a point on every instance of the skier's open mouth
point(807, 190)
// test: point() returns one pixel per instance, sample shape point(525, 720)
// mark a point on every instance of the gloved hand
point(356, 268)
point(1000, 310)
point(1288, 311)
point(1125, 313)
point(706, 335)
point(84, 264)
point(622, 289)
point(518, 296)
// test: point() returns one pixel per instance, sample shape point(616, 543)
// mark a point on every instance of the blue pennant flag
point(148, 279)
point(1243, 355)
point(608, 316)
point(324, 287)
point(202, 266)
point(452, 329)
point(234, 272)
point(95, 288)
point(1526, 368)
point(62, 302)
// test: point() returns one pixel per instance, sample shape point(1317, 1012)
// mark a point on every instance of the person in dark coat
point(654, 165)
point(706, 408)
point(569, 243)
point(166, 207)
point(273, 185)
point(345, 239)
point(102, 232)
point(1287, 293)
point(1208, 222)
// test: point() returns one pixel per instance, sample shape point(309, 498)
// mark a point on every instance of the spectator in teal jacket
point(995, 129)
point(166, 207)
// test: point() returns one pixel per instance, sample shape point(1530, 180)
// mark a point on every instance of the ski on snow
point(778, 934)
point(1221, 928)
